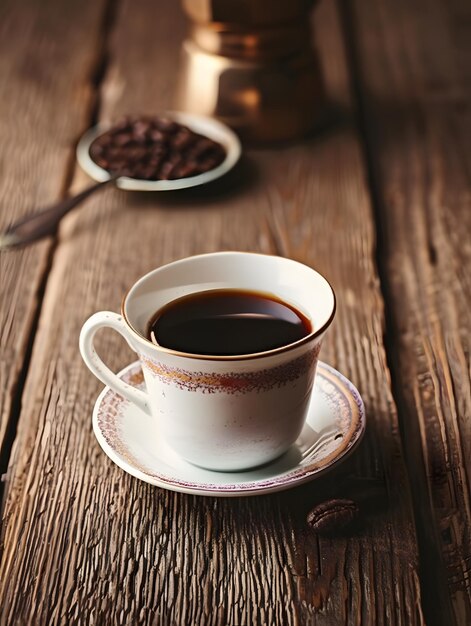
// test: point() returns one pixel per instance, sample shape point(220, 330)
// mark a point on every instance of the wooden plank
point(47, 53)
point(416, 93)
point(102, 547)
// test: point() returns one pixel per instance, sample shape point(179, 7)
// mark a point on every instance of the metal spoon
point(38, 225)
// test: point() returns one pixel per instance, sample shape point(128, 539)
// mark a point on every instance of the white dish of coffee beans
point(159, 153)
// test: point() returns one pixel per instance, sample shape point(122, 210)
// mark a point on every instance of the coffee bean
point(96, 150)
point(149, 173)
point(140, 128)
point(168, 126)
point(185, 170)
point(332, 515)
point(183, 140)
point(123, 139)
point(157, 136)
point(165, 170)
point(125, 123)
point(209, 163)
point(201, 148)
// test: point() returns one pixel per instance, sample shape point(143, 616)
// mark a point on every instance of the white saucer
point(204, 125)
point(334, 426)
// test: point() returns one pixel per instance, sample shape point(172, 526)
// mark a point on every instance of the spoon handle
point(38, 225)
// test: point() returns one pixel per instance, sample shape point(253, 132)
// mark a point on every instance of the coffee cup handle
point(108, 319)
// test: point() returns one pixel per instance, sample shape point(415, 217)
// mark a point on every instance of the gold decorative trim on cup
point(234, 382)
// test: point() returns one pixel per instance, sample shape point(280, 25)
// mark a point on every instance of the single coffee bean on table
point(333, 515)
point(155, 148)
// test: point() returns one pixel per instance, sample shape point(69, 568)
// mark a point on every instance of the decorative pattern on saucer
point(237, 382)
point(335, 425)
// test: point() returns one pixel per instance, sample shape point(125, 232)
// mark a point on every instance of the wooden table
point(378, 202)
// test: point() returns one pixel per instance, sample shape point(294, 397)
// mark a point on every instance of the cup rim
point(233, 357)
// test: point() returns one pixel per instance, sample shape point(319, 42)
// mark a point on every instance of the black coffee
point(227, 322)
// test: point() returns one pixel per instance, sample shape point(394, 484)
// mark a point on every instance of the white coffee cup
point(222, 413)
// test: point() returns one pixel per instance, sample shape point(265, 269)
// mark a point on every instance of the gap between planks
point(96, 75)
point(433, 580)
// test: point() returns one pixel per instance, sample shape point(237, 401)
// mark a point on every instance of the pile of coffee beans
point(155, 148)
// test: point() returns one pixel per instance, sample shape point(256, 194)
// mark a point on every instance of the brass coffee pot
point(250, 64)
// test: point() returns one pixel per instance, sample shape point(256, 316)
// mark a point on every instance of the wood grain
point(99, 547)
point(47, 53)
point(416, 96)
